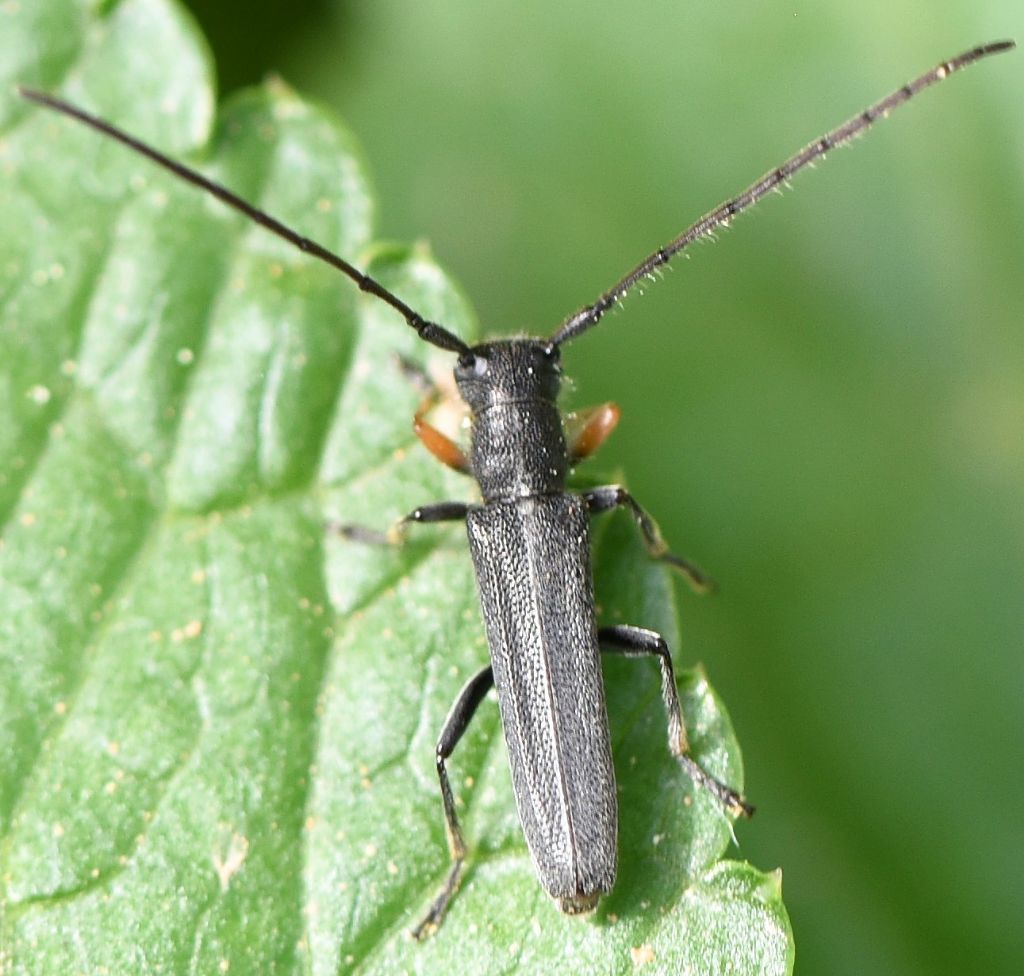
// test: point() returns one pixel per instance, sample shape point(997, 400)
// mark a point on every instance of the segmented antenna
point(430, 331)
point(590, 315)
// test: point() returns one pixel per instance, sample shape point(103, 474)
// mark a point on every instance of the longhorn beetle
point(530, 545)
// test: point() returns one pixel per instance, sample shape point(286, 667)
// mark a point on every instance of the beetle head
point(509, 370)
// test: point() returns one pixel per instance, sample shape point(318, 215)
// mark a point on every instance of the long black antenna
point(430, 331)
point(590, 315)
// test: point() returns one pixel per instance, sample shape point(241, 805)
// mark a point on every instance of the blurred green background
point(826, 409)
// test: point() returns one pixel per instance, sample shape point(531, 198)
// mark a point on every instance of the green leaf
point(216, 721)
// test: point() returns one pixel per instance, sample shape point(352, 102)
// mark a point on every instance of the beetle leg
point(454, 725)
point(440, 445)
point(395, 536)
point(615, 496)
point(637, 641)
point(590, 428)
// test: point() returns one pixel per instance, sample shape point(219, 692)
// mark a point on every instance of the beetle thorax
point(517, 448)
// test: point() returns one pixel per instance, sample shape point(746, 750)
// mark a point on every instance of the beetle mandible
point(530, 544)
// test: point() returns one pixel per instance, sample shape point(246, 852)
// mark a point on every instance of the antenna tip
point(34, 95)
point(997, 47)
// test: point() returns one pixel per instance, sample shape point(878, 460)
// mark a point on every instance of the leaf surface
point(216, 720)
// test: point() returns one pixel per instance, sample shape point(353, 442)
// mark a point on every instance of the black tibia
point(395, 536)
point(615, 496)
point(455, 724)
point(636, 642)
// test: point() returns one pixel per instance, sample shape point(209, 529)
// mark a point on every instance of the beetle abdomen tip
point(579, 904)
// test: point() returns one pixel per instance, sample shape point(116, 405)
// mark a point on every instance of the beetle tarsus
point(432, 920)
point(395, 535)
point(358, 533)
point(731, 800)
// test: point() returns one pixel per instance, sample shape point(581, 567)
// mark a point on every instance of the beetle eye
point(471, 362)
